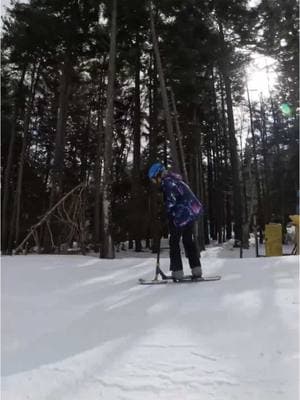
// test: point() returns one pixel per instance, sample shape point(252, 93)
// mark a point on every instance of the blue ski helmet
point(155, 169)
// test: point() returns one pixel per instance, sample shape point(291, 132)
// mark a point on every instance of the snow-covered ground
point(81, 328)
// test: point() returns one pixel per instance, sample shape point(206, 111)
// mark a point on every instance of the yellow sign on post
point(296, 221)
point(273, 240)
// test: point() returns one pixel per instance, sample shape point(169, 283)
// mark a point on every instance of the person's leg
point(175, 255)
point(191, 250)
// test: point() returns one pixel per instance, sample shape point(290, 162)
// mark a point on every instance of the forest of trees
point(93, 92)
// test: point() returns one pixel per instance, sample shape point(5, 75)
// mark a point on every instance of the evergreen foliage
point(55, 73)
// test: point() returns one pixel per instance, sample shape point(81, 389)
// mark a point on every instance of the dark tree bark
point(84, 165)
point(179, 136)
point(218, 162)
point(15, 220)
point(99, 157)
point(164, 96)
point(154, 224)
point(237, 199)
point(64, 95)
point(267, 207)
point(9, 165)
point(259, 210)
point(107, 248)
point(227, 173)
point(198, 182)
point(136, 187)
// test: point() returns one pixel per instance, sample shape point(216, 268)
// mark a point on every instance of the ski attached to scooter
point(185, 279)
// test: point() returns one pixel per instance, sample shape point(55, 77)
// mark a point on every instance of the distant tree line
point(93, 92)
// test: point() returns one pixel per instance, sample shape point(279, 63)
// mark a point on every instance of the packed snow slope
point(82, 328)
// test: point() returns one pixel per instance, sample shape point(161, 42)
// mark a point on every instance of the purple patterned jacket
point(182, 205)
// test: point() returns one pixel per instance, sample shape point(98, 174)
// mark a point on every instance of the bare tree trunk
point(237, 200)
point(15, 221)
point(153, 129)
point(218, 162)
point(64, 94)
point(199, 193)
point(153, 109)
point(107, 248)
point(84, 167)
point(211, 191)
point(163, 89)
point(278, 169)
point(227, 197)
point(136, 192)
point(267, 198)
point(59, 152)
point(99, 157)
point(179, 137)
point(9, 166)
point(197, 180)
point(259, 212)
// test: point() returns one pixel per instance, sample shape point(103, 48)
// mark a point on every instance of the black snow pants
point(189, 246)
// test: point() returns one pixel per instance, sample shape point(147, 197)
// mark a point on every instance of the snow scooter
point(169, 279)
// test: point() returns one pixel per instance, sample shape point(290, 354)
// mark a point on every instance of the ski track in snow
point(81, 328)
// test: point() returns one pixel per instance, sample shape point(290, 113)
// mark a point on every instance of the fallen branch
point(46, 216)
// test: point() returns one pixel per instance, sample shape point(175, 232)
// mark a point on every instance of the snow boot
point(177, 275)
point(197, 272)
